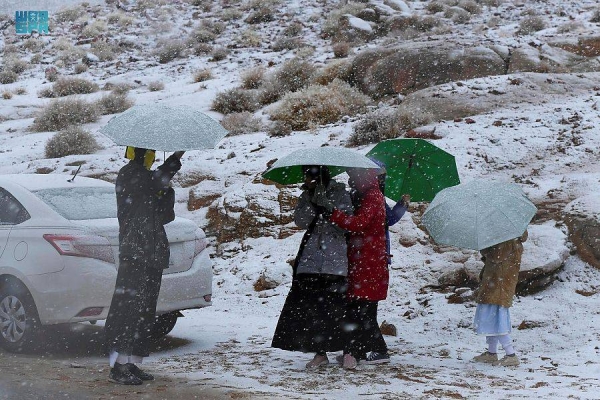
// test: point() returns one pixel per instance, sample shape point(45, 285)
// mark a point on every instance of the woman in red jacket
point(368, 275)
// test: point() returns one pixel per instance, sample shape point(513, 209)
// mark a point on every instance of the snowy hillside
point(541, 133)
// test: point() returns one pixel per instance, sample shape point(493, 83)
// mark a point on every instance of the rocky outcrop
point(544, 254)
point(409, 68)
point(253, 210)
point(582, 217)
point(414, 66)
point(461, 99)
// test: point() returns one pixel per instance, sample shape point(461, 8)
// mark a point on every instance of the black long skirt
point(312, 315)
point(130, 320)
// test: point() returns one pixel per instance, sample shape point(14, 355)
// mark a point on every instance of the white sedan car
point(59, 243)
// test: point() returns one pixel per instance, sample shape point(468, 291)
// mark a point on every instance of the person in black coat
point(145, 204)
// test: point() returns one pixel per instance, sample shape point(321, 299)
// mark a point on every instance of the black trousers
point(362, 330)
point(130, 320)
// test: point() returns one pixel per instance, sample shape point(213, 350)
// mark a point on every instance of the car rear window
point(81, 202)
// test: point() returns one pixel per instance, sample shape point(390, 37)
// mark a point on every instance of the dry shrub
point(570, 26)
point(216, 27)
point(290, 77)
point(15, 64)
point(531, 25)
point(205, 5)
point(168, 50)
point(374, 127)
point(470, 5)
point(118, 88)
point(20, 91)
point(250, 38)
point(336, 69)
point(411, 119)
point(120, 18)
point(242, 122)
point(114, 103)
point(279, 129)
point(71, 55)
point(341, 49)
point(201, 35)
point(235, 100)
point(68, 86)
point(34, 45)
point(62, 44)
point(293, 29)
point(51, 74)
point(7, 76)
point(331, 27)
point(7, 95)
point(202, 75)
point(491, 3)
point(457, 15)
point(230, 14)
point(253, 78)
point(318, 105)
point(260, 15)
point(219, 54)
point(435, 7)
point(80, 68)
point(287, 43)
point(69, 14)
point(94, 29)
point(270, 91)
point(36, 59)
point(60, 114)
point(155, 86)
point(73, 140)
point(103, 50)
point(11, 49)
point(202, 49)
point(596, 16)
point(294, 74)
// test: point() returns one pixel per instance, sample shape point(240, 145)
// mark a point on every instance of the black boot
point(120, 374)
point(139, 373)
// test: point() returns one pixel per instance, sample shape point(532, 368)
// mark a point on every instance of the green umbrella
point(288, 170)
point(415, 167)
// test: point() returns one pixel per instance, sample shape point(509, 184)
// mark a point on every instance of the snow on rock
point(582, 216)
point(359, 24)
point(544, 253)
point(398, 5)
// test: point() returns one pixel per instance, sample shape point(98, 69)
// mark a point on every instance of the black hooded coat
point(145, 204)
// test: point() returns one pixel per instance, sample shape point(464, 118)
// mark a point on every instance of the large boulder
point(252, 210)
point(582, 217)
point(411, 67)
point(544, 254)
point(587, 46)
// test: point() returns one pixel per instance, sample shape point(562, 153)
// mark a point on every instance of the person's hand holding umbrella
point(321, 200)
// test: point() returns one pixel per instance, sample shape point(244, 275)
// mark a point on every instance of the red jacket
point(368, 275)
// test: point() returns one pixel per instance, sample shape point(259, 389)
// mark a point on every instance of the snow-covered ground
point(229, 343)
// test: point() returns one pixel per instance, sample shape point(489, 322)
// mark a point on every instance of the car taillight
point(88, 246)
point(200, 243)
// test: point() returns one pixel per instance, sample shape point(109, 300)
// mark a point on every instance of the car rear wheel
point(164, 324)
point(19, 322)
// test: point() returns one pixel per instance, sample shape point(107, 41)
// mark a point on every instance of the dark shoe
point(377, 358)
point(139, 373)
point(120, 374)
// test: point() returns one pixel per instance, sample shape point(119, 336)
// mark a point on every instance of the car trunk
point(180, 233)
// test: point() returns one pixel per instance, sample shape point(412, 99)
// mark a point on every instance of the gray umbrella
point(165, 128)
point(478, 214)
